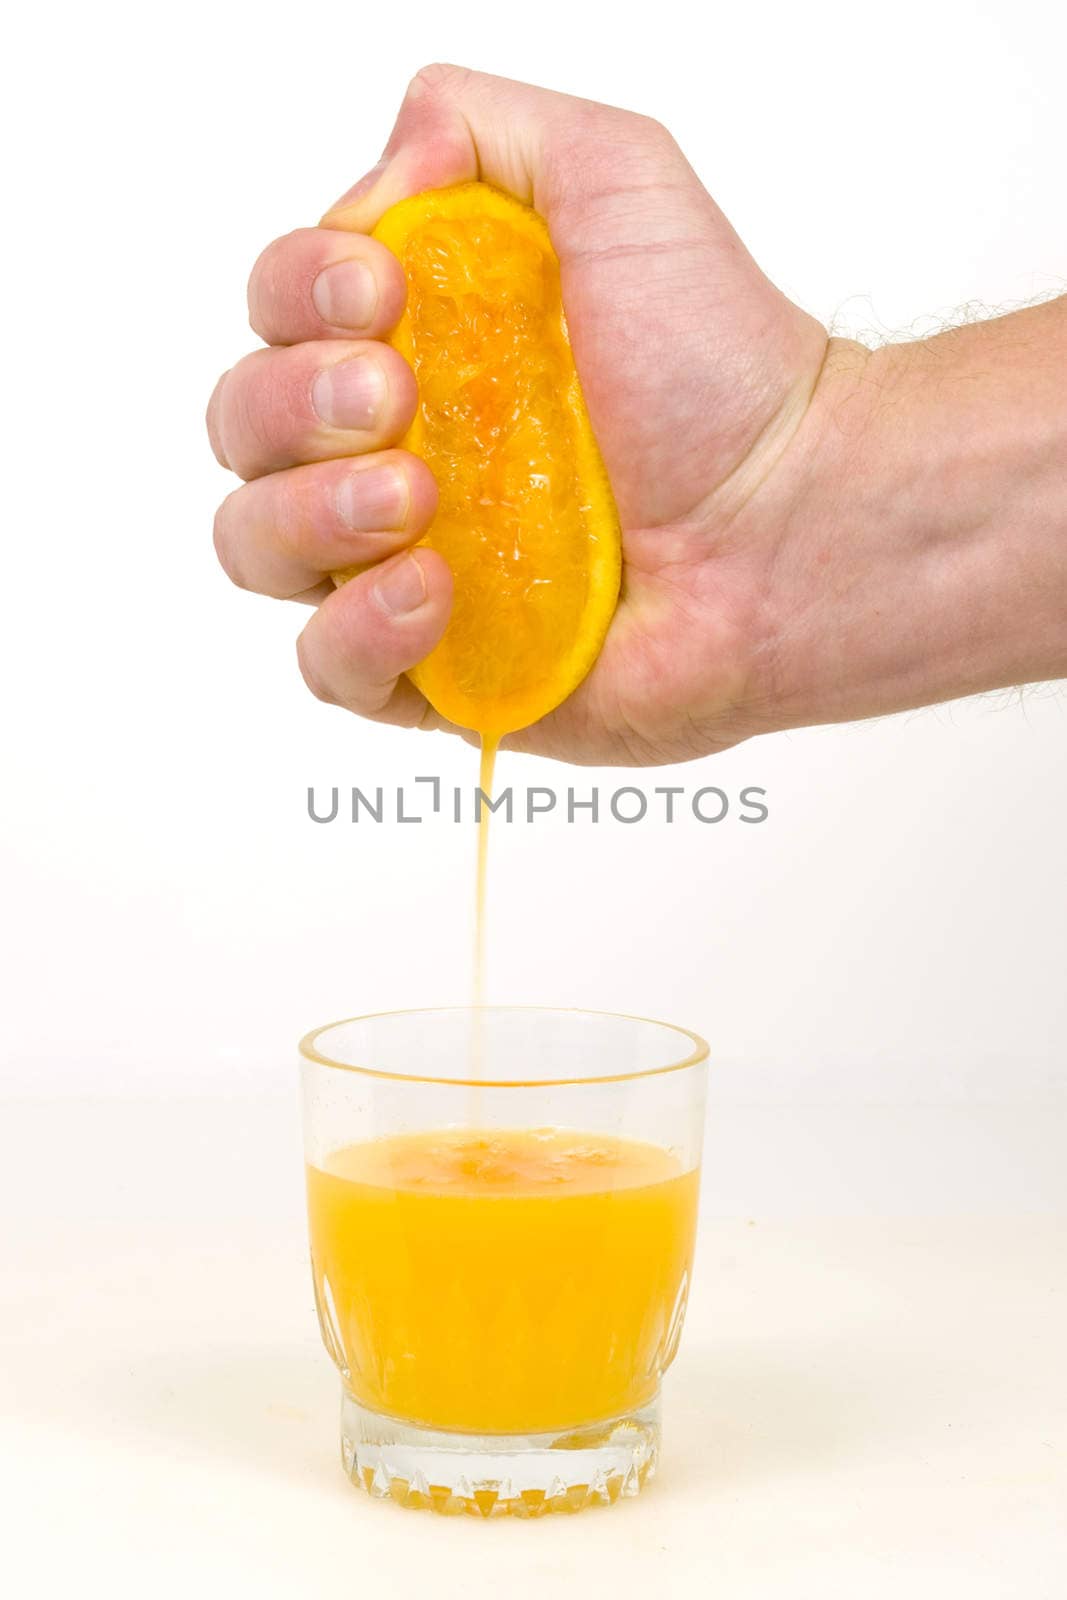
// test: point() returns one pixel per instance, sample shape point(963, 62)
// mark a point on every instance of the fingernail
point(349, 395)
point(360, 188)
point(373, 498)
point(401, 586)
point(346, 294)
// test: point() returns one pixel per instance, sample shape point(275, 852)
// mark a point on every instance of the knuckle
point(609, 124)
point(262, 267)
point(262, 413)
point(277, 275)
point(282, 253)
point(225, 544)
point(211, 420)
point(439, 78)
point(311, 674)
point(653, 128)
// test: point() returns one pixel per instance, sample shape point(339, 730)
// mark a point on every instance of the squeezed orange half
point(502, 1281)
point(526, 519)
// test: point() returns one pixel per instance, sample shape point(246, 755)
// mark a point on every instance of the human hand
point(775, 572)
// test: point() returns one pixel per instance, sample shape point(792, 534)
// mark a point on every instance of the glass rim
point(698, 1049)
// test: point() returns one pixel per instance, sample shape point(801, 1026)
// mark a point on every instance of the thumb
point(688, 355)
point(553, 151)
point(454, 126)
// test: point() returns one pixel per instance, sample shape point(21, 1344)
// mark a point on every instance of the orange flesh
point(526, 520)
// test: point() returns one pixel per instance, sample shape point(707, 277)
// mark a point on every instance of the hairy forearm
point(924, 548)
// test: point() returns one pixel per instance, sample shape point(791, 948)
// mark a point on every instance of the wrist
point(922, 525)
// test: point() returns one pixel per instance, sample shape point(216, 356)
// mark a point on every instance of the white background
point(896, 930)
point(880, 968)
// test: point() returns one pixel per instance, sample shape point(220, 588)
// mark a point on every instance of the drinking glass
point(502, 1206)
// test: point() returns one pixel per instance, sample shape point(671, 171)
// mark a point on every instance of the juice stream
point(485, 784)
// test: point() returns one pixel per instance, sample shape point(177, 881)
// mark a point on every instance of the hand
point(777, 490)
point(695, 369)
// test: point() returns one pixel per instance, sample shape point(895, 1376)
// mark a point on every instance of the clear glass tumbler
point(502, 1205)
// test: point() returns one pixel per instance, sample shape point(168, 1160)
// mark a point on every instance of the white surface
point(863, 1405)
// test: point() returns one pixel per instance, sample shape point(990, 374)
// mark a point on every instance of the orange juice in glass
point(501, 1266)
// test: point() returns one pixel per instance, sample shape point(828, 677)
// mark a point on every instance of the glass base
point(492, 1475)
